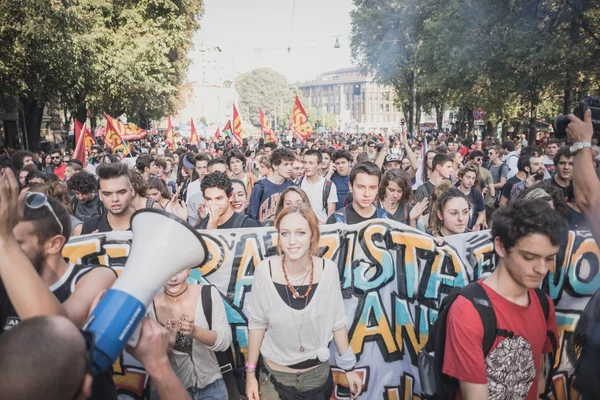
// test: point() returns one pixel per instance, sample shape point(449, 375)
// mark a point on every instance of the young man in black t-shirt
point(218, 194)
point(117, 194)
point(364, 185)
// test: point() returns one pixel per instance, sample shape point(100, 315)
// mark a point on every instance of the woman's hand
point(354, 383)
point(418, 209)
point(251, 386)
point(186, 325)
point(178, 208)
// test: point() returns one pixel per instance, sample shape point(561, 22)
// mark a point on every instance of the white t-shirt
point(315, 195)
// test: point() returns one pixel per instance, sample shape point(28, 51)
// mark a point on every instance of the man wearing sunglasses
point(58, 166)
point(42, 233)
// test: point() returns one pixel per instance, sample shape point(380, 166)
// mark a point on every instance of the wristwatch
point(578, 146)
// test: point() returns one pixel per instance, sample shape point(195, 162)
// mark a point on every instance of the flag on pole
point(114, 134)
point(88, 137)
point(81, 146)
point(419, 173)
point(227, 129)
point(265, 127)
point(170, 136)
point(194, 135)
point(217, 133)
point(237, 126)
point(299, 124)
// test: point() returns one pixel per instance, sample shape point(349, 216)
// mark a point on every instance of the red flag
point(81, 147)
point(170, 136)
point(114, 134)
point(133, 132)
point(217, 133)
point(88, 137)
point(299, 124)
point(194, 136)
point(237, 126)
point(265, 127)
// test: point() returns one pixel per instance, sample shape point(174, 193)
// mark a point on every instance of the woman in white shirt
point(296, 310)
point(179, 308)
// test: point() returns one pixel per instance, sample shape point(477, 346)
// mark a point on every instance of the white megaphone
point(163, 245)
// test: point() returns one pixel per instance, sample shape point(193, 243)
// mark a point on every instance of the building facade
point(368, 106)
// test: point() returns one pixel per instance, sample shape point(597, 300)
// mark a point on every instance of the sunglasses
point(36, 200)
point(55, 158)
point(478, 159)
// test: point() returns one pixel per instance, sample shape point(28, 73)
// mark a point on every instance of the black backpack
point(437, 385)
point(234, 378)
point(326, 190)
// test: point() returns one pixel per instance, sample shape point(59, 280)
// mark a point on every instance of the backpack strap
point(326, 191)
point(481, 301)
point(340, 216)
point(239, 220)
point(207, 304)
point(299, 181)
point(381, 213)
point(545, 303)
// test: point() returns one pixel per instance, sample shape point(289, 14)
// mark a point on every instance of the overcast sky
point(257, 33)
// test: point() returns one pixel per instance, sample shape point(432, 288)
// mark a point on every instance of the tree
point(267, 89)
point(114, 57)
point(326, 119)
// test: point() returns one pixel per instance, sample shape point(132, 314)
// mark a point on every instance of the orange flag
point(237, 126)
point(194, 136)
point(299, 124)
point(170, 136)
point(114, 134)
point(81, 147)
point(265, 127)
point(218, 133)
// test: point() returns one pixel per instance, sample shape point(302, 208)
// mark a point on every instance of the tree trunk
point(31, 122)
point(439, 115)
point(470, 120)
point(533, 119)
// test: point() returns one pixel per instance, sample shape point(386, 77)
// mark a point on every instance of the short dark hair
point(365, 167)
point(562, 152)
point(83, 182)
point(521, 218)
point(271, 145)
point(314, 153)
point(218, 180)
point(112, 171)
point(352, 147)
point(96, 147)
point(18, 157)
point(476, 153)
point(143, 161)
point(439, 159)
point(160, 162)
point(235, 153)
point(75, 164)
point(523, 162)
point(327, 150)
point(201, 157)
point(46, 226)
point(508, 145)
point(218, 160)
point(280, 155)
point(54, 150)
point(552, 141)
point(342, 154)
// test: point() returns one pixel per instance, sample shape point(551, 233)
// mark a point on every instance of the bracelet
point(349, 370)
point(250, 366)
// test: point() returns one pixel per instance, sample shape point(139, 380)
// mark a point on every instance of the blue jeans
point(215, 391)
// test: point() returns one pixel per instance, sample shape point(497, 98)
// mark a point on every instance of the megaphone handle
point(135, 336)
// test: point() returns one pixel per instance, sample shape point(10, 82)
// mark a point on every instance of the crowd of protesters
point(437, 183)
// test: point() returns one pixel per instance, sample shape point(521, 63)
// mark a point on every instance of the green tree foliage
point(326, 119)
point(104, 55)
point(521, 60)
point(267, 89)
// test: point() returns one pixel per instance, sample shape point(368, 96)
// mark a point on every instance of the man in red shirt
point(58, 166)
point(527, 234)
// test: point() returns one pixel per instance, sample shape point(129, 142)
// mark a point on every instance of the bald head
point(42, 358)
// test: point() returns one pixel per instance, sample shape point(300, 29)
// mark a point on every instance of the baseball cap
point(392, 158)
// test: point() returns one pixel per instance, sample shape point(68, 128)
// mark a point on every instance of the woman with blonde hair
point(296, 310)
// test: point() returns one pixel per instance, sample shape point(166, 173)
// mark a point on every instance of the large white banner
point(392, 280)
